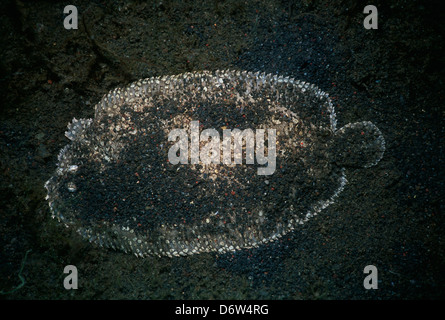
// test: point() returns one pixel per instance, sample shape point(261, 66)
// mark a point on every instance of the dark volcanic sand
point(390, 215)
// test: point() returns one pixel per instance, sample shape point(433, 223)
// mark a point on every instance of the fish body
point(116, 185)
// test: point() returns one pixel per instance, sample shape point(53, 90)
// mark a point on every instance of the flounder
point(115, 185)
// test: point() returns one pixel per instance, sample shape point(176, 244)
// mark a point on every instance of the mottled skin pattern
point(115, 186)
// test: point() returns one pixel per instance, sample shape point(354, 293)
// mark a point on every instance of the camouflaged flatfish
point(115, 185)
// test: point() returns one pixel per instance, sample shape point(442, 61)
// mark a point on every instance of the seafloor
point(390, 215)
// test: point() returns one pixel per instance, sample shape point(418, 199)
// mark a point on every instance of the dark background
point(390, 215)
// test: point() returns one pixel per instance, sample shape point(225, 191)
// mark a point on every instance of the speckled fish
point(115, 185)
